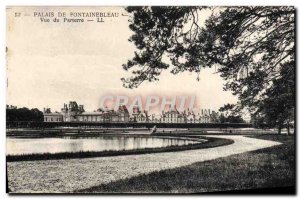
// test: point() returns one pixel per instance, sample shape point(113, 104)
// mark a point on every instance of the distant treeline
point(14, 114)
point(231, 119)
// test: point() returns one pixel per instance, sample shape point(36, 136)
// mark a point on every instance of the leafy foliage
point(250, 46)
point(278, 105)
point(231, 119)
point(23, 114)
point(232, 114)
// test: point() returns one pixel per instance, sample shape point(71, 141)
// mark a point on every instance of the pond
point(18, 146)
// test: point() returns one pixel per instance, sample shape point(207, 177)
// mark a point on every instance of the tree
point(258, 121)
point(23, 114)
point(228, 109)
point(249, 46)
point(231, 119)
point(232, 114)
point(277, 107)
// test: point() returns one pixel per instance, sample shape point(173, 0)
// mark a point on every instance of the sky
point(49, 64)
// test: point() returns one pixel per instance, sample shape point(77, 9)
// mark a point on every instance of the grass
point(211, 142)
point(265, 168)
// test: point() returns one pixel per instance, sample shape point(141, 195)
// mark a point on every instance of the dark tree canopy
point(24, 114)
point(277, 108)
point(249, 46)
point(231, 119)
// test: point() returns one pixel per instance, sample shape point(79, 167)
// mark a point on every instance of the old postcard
point(150, 100)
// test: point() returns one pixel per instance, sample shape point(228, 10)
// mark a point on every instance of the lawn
point(265, 168)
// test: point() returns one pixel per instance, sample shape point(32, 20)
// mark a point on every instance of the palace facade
point(204, 116)
point(73, 112)
point(76, 113)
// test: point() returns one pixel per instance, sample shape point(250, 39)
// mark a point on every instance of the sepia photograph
point(150, 100)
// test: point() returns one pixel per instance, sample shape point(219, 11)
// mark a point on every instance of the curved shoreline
point(205, 143)
point(67, 176)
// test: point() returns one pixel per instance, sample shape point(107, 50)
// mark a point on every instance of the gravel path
point(69, 175)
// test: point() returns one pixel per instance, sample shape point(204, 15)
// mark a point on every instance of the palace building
point(52, 117)
point(173, 116)
point(139, 116)
point(73, 112)
point(76, 113)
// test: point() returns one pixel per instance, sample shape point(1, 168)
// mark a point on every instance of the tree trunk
point(279, 130)
point(288, 128)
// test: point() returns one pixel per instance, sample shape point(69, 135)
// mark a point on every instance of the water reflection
point(16, 146)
